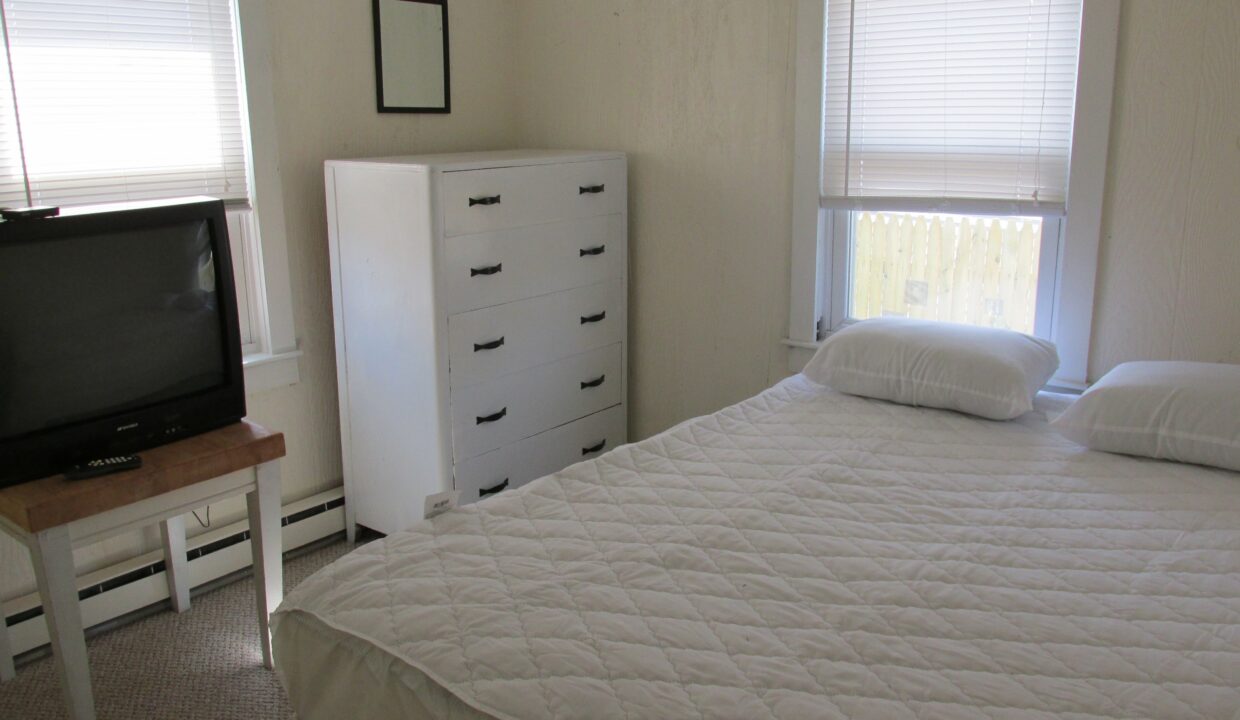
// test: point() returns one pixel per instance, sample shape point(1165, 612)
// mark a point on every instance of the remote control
point(103, 466)
point(29, 213)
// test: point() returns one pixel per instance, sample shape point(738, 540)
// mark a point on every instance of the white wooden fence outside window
point(981, 270)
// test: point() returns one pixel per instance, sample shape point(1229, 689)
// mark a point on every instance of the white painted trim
point(243, 239)
point(1072, 321)
point(838, 288)
point(947, 206)
point(264, 371)
point(110, 605)
point(804, 345)
point(275, 292)
point(806, 250)
point(837, 281)
point(1065, 386)
point(1050, 247)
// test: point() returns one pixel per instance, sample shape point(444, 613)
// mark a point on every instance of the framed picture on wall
point(411, 56)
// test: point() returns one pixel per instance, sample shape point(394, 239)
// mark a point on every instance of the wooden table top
point(51, 501)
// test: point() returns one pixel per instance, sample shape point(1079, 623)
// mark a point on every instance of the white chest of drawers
point(480, 306)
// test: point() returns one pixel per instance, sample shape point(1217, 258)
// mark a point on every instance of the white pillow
point(976, 370)
point(1182, 411)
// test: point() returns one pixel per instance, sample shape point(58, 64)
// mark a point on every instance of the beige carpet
point(204, 663)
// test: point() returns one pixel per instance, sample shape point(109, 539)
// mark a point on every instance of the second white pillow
point(980, 371)
point(1182, 411)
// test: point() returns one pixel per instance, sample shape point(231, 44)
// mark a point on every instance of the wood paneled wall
point(699, 94)
point(1169, 271)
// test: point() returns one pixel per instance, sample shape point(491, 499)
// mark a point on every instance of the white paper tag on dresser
point(440, 503)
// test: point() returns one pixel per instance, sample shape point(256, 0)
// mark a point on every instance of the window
point(947, 136)
point(975, 269)
point(115, 101)
point(130, 100)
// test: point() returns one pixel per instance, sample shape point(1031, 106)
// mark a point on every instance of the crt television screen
point(102, 324)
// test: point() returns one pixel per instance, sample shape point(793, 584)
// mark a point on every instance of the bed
point(802, 554)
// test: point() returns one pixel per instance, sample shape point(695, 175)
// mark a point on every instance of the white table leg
point(7, 670)
point(265, 543)
point(176, 564)
point(53, 567)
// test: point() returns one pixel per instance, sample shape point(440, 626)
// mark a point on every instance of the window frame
point(271, 360)
point(256, 222)
point(240, 227)
point(65, 75)
point(819, 251)
point(838, 291)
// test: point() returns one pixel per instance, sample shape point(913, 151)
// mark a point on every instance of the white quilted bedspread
point(806, 554)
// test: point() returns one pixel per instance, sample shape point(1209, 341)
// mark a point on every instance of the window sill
point(267, 371)
point(799, 353)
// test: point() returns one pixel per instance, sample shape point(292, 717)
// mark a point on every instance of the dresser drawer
point(476, 201)
point(495, 413)
point(494, 341)
point(498, 267)
point(514, 465)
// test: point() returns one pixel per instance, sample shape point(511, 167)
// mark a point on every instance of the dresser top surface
point(452, 162)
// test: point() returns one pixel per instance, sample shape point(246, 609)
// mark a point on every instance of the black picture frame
point(382, 105)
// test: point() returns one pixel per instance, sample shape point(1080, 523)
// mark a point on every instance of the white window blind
point(949, 99)
point(113, 100)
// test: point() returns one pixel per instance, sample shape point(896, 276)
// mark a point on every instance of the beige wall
point(699, 94)
point(323, 78)
point(1169, 271)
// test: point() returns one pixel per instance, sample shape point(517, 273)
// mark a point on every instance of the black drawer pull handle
point(593, 251)
point(595, 448)
point(483, 492)
point(489, 270)
point(593, 383)
point(594, 318)
point(483, 420)
point(589, 189)
point(489, 200)
point(494, 344)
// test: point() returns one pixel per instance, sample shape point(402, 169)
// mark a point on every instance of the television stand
point(53, 515)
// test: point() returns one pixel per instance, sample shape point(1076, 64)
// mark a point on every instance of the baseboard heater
point(113, 592)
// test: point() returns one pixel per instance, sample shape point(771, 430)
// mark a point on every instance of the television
point(118, 332)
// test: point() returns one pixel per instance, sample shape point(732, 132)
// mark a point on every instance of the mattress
point(802, 554)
